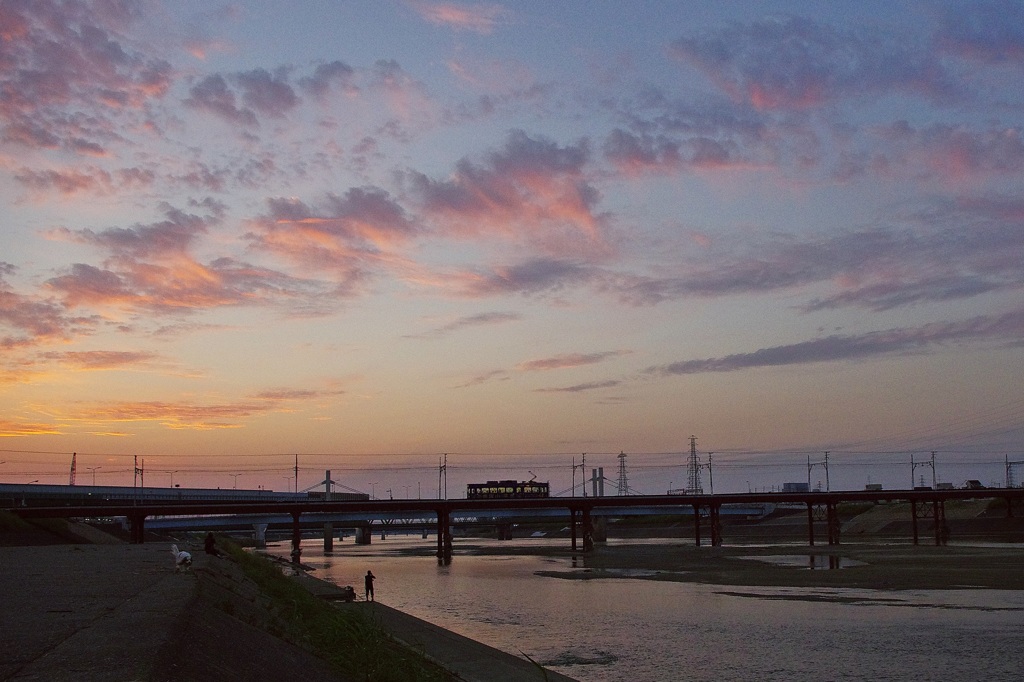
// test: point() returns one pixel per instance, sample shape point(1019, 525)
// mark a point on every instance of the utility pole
point(583, 474)
point(928, 463)
point(811, 465)
point(442, 476)
point(296, 473)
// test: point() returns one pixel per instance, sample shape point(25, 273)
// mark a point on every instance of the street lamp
point(235, 477)
point(93, 470)
point(373, 493)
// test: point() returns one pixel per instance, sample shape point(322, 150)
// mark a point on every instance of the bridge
point(927, 507)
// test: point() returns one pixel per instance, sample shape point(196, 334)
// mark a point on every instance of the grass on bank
point(16, 530)
point(12, 522)
point(354, 645)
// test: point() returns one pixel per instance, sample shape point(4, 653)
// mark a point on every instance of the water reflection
point(810, 561)
point(626, 626)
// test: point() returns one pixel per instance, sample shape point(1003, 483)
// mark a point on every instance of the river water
point(630, 629)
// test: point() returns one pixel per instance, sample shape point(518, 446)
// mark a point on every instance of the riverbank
point(98, 612)
point(121, 612)
point(869, 566)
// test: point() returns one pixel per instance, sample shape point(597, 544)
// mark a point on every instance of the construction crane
point(74, 468)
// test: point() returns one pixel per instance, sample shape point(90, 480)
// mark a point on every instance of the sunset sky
point(371, 233)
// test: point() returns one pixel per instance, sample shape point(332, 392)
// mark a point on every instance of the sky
point(372, 234)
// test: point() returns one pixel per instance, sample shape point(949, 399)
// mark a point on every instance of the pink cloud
point(641, 154)
point(580, 388)
point(794, 63)
point(32, 320)
point(195, 415)
point(84, 180)
point(351, 236)
point(477, 320)
point(151, 267)
point(567, 361)
point(533, 189)
point(100, 359)
point(327, 77)
point(64, 58)
point(213, 95)
point(940, 250)
point(1007, 327)
point(478, 18)
point(267, 93)
point(990, 31)
point(534, 276)
point(954, 153)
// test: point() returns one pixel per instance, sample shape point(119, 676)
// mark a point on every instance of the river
point(631, 629)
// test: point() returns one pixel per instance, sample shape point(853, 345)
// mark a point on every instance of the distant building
point(795, 487)
point(875, 487)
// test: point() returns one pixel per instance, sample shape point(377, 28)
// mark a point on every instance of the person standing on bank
point(369, 585)
point(210, 544)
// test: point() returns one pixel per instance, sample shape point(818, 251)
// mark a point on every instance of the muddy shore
point(867, 566)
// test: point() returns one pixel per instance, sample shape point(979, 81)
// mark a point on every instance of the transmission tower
point(1011, 467)
point(623, 481)
point(693, 484)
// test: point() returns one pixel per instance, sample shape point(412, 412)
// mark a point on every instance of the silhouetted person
point(369, 585)
point(210, 544)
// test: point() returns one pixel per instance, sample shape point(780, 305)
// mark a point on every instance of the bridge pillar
point(137, 529)
point(296, 539)
point(328, 537)
point(810, 523)
point(572, 527)
point(716, 526)
point(832, 518)
point(363, 534)
point(941, 528)
point(913, 519)
point(937, 513)
point(601, 529)
point(696, 523)
point(259, 532)
point(505, 530)
point(588, 531)
point(444, 537)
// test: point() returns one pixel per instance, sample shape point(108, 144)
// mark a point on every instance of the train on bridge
point(507, 490)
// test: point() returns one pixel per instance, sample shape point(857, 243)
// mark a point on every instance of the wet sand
point(868, 566)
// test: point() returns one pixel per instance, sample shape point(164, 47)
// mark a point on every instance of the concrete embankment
point(122, 612)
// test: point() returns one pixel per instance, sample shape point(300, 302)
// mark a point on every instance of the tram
point(506, 490)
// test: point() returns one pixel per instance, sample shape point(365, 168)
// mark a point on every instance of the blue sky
point(377, 232)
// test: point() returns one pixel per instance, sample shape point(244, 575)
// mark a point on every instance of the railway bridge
point(927, 510)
